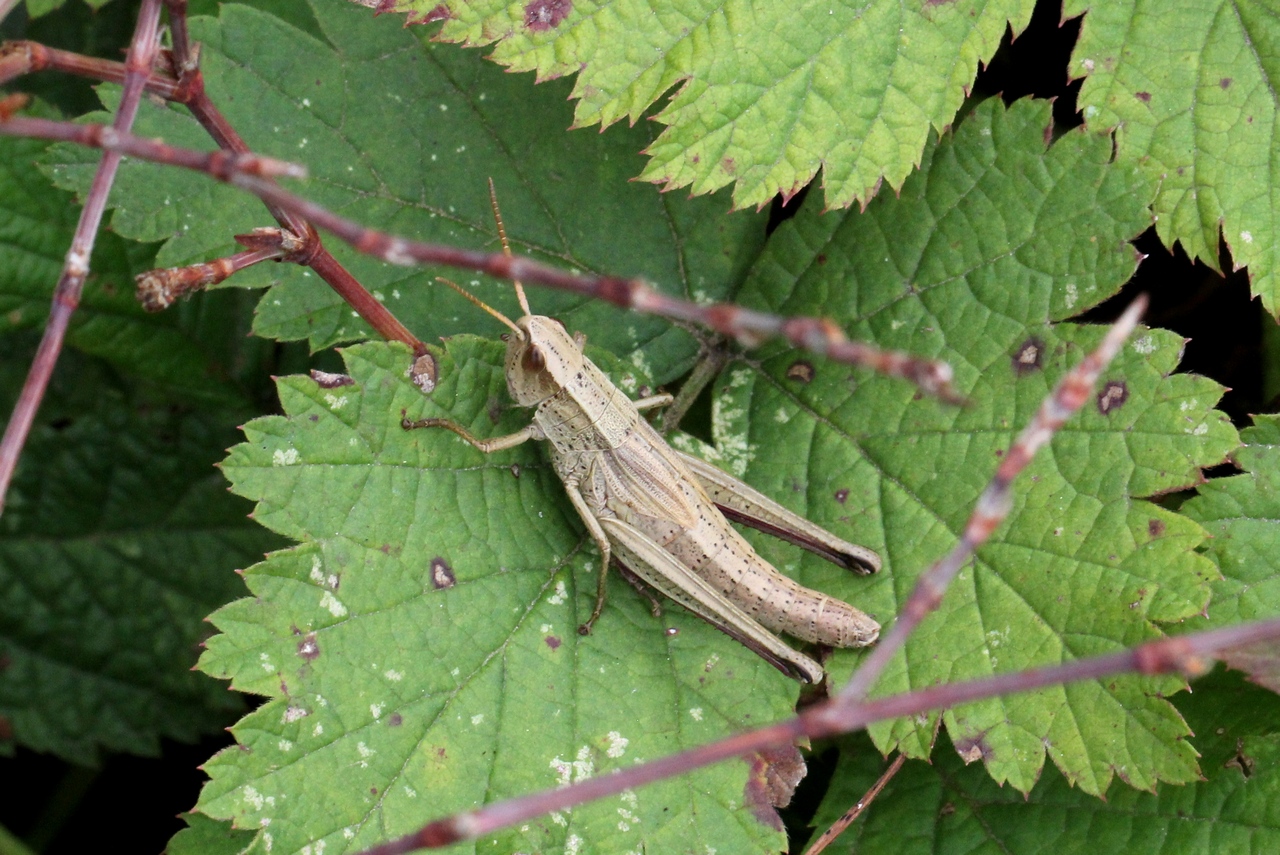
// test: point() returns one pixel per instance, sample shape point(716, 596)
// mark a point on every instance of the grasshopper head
point(541, 358)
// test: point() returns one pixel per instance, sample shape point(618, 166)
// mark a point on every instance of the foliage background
point(130, 378)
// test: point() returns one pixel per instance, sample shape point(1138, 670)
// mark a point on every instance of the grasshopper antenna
point(482, 304)
point(506, 247)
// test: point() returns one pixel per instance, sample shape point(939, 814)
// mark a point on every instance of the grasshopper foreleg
point(488, 446)
point(602, 542)
point(652, 401)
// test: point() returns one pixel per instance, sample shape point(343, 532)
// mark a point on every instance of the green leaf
point(1190, 93)
point(1242, 513)
point(204, 836)
point(949, 808)
point(418, 646)
point(403, 136)
point(767, 93)
point(991, 238)
point(117, 538)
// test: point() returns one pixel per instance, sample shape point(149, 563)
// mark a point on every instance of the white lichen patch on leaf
point(1144, 345)
point(285, 457)
point(561, 594)
point(563, 771)
point(292, 714)
point(253, 798)
point(264, 660)
point(617, 744)
point(335, 402)
point(333, 605)
point(696, 713)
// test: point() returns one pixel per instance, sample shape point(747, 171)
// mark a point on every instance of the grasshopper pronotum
point(662, 512)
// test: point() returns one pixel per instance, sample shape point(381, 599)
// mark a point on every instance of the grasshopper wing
point(650, 562)
point(742, 504)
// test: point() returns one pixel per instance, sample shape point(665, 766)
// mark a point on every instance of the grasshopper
point(662, 513)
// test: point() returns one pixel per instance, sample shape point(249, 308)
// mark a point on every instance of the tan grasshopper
point(662, 512)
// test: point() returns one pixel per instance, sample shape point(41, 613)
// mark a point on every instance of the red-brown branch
point(66, 295)
point(24, 57)
point(993, 504)
point(1191, 655)
point(183, 83)
point(860, 806)
point(817, 335)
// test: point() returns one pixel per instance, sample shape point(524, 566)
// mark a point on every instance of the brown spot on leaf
point(438, 13)
point(1155, 528)
point(822, 258)
point(309, 648)
point(728, 165)
point(493, 409)
point(1144, 97)
point(972, 748)
point(442, 574)
point(947, 809)
point(1240, 761)
point(772, 781)
point(423, 373)
point(515, 470)
point(5, 661)
point(1029, 356)
point(1225, 83)
point(6, 729)
point(541, 15)
point(553, 641)
point(395, 720)
point(325, 380)
point(842, 495)
point(672, 631)
point(802, 371)
point(1112, 397)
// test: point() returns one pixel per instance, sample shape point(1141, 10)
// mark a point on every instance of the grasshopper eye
point(505, 336)
point(533, 360)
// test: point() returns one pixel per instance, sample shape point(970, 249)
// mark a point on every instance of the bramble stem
point(993, 504)
point(1189, 654)
point(817, 335)
point(860, 806)
point(66, 295)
